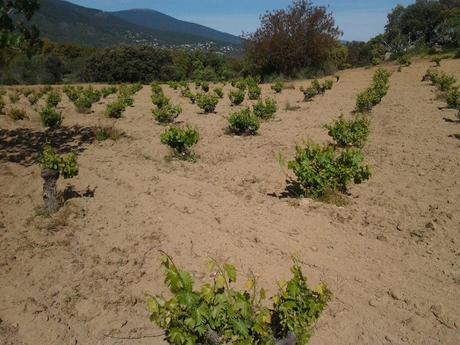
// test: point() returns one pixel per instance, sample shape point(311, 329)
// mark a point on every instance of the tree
point(14, 33)
point(291, 39)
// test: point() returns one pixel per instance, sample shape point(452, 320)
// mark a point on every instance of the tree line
point(302, 40)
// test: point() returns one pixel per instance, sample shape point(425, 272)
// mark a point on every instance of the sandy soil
point(390, 257)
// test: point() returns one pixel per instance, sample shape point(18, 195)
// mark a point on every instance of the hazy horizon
point(359, 20)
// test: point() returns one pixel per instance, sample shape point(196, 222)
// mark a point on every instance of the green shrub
point(216, 313)
point(73, 93)
point(14, 97)
point(92, 94)
point(404, 60)
point(437, 61)
point(309, 92)
point(126, 100)
point(17, 114)
point(328, 84)
point(207, 103)
point(2, 105)
point(109, 90)
point(254, 92)
point(376, 61)
point(205, 86)
point(160, 100)
point(167, 113)
point(322, 171)
point(115, 109)
point(453, 98)
point(173, 85)
point(278, 86)
point(108, 132)
point(219, 92)
point(236, 96)
point(243, 123)
point(349, 132)
point(265, 110)
point(53, 99)
point(373, 95)
point(156, 88)
point(65, 166)
point(240, 85)
point(445, 82)
point(190, 95)
point(50, 117)
point(83, 105)
point(33, 98)
point(180, 140)
point(366, 101)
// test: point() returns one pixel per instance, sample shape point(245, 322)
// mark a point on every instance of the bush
point(349, 132)
point(53, 100)
point(372, 96)
point(108, 132)
point(204, 86)
point(173, 85)
point(156, 88)
point(115, 109)
point(126, 100)
point(109, 90)
point(73, 93)
point(167, 113)
point(207, 103)
point(65, 166)
point(17, 114)
point(328, 84)
point(236, 97)
point(437, 61)
point(216, 313)
point(404, 60)
point(180, 140)
point(254, 92)
point(265, 110)
point(190, 95)
point(14, 97)
point(278, 87)
point(33, 98)
point(243, 123)
point(321, 171)
point(50, 117)
point(2, 105)
point(453, 98)
point(444, 82)
point(160, 100)
point(309, 93)
point(219, 92)
point(83, 105)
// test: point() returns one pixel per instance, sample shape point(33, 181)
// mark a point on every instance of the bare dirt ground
point(390, 257)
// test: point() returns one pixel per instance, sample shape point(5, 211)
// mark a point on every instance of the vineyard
point(342, 190)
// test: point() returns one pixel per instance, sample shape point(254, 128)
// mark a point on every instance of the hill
point(64, 22)
point(158, 21)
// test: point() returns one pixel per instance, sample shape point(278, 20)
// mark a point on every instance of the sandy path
point(391, 257)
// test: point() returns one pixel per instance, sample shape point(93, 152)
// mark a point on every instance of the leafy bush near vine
point(243, 123)
point(156, 88)
point(278, 86)
point(404, 60)
point(236, 96)
point(352, 132)
point(453, 98)
point(109, 90)
point(321, 171)
point(207, 103)
point(16, 114)
point(265, 110)
point(217, 313)
point(180, 140)
point(328, 84)
point(115, 109)
point(65, 166)
point(219, 92)
point(83, 105)
point(167, 113)
point(50, 117)
point(254, 92)
point(160, 100)
point(53, 99)
point(14, 97)
point(33, 98)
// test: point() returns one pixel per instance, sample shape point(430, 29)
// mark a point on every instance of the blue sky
point(358, 19)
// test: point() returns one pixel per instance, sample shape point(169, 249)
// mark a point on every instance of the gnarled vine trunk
point(50, 193)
